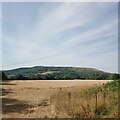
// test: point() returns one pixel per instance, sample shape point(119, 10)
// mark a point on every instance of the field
point(53, 99)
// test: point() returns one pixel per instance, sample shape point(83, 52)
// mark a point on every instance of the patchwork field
point(44, 98)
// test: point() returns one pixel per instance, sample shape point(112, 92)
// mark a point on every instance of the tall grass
point(100, 101)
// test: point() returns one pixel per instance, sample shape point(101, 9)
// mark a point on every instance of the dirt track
point(24, 99)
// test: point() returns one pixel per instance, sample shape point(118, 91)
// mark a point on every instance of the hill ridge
point(57, 73)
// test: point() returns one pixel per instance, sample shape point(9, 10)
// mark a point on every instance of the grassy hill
point(49, 72)
point(42, 69)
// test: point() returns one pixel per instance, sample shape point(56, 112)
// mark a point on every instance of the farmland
point(58, 99)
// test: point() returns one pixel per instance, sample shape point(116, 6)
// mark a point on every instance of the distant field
point(32, 98)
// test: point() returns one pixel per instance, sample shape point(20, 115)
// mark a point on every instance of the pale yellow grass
point(33, 96)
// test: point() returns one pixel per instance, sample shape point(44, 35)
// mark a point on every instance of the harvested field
point(32, 98)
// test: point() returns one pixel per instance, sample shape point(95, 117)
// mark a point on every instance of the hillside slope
point(56, 73)
point(43, 69)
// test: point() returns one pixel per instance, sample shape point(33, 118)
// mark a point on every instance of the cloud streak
point(69, 34)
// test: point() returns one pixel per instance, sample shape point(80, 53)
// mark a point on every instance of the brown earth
point(30, 98)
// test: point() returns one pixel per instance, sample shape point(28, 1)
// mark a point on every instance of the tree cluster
point(63, 75)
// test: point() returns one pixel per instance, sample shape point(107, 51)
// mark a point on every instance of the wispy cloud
point(60, 0)
point(71, 34)
point(1, 34)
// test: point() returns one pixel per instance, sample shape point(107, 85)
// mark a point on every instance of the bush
point(101, 110)
point(4, 76)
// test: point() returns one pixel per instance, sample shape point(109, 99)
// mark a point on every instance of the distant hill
point(43, 69)
point(53, 73)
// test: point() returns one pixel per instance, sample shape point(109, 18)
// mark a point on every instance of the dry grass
point(96, 102)
point(63, 99)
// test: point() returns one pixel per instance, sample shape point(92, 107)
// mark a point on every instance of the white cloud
point(60, 0)
point(40, 42)
point(0, 34)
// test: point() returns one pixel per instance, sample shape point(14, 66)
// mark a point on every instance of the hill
point(43, 69)
point(56, 73)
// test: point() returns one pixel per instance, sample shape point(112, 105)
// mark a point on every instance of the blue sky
point(60, 34)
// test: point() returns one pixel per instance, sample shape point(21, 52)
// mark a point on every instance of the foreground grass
point(100, 101)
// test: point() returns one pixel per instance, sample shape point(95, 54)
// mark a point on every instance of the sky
point(60, 0)
point(60, 34)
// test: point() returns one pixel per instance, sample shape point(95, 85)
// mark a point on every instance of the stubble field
point(38, 98)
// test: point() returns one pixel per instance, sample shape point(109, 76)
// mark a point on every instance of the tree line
point(63, 75)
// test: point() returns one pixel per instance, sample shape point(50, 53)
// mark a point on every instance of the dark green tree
point(4, 76)
point(19, 77)
point(115, 76)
